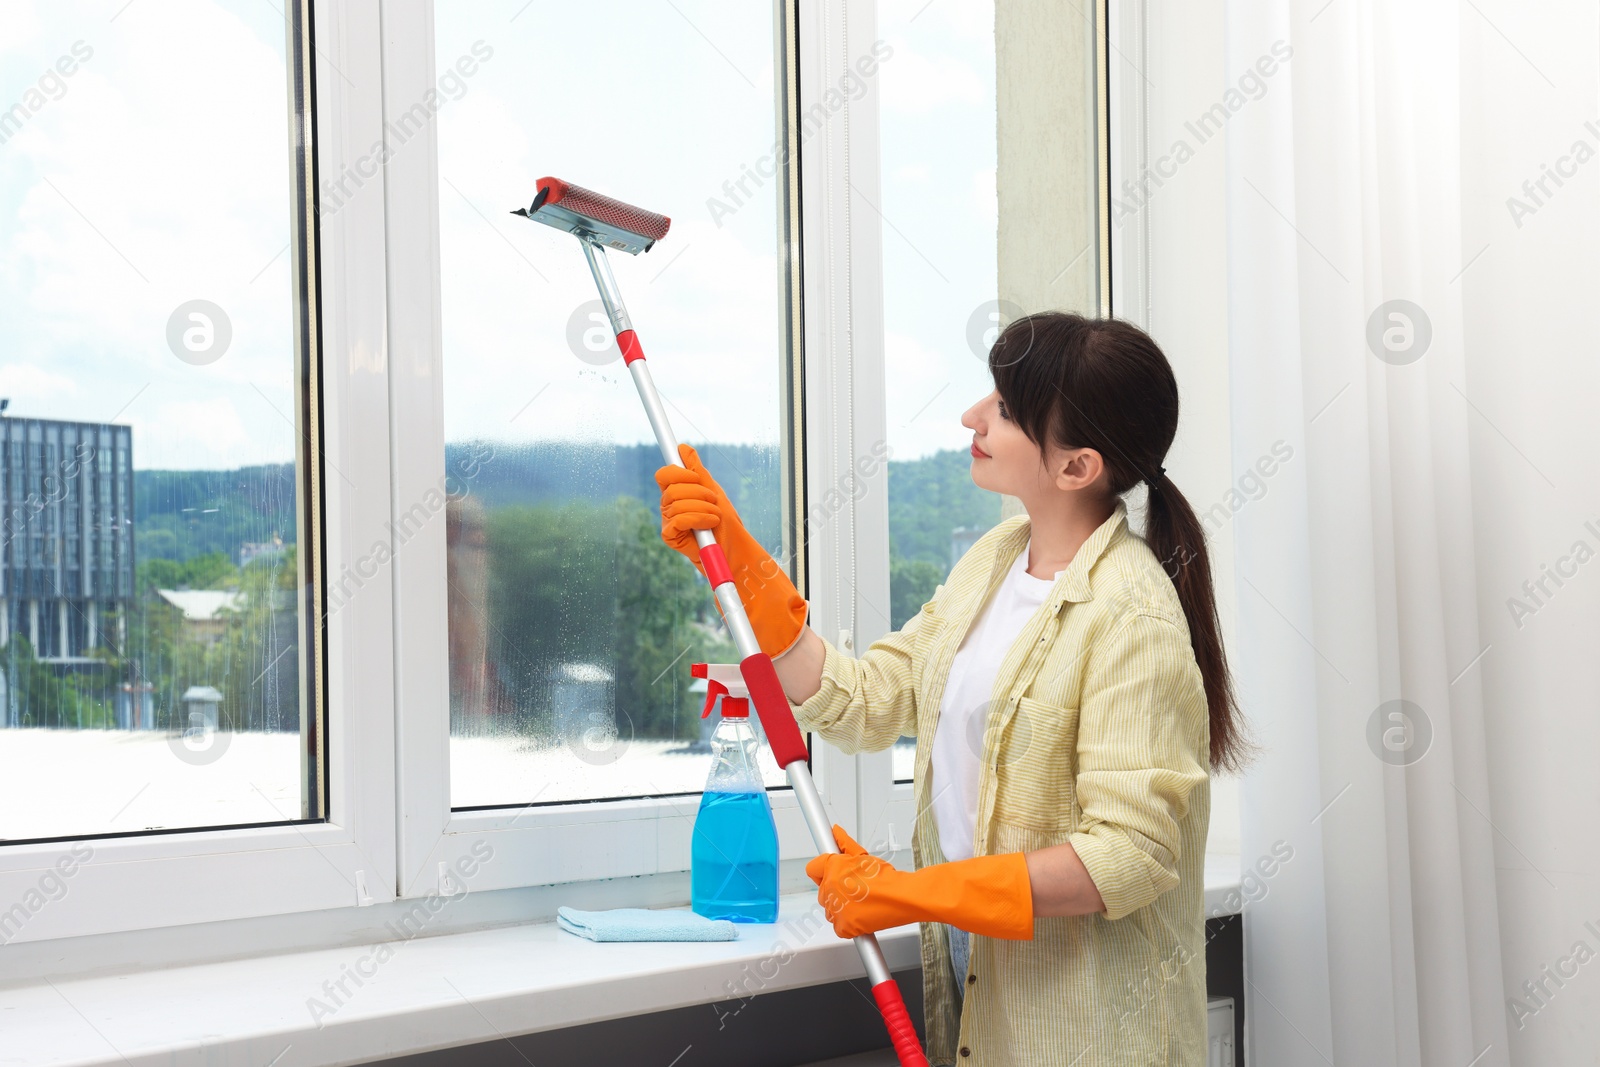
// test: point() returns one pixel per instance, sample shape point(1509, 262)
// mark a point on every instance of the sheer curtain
point(1426, 346)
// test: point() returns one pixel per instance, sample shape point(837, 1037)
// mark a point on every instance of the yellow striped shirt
point(1098, 734)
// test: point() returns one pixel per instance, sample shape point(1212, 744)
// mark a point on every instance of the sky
point(158, 173)
point(685, 98)
point(155, 174)
point(940, 248)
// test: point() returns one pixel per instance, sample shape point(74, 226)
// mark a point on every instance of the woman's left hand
point(862, 894)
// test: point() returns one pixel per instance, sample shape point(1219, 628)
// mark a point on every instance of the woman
point(1069, 694)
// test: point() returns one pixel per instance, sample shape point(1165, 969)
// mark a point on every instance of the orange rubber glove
point(861, 894)
point(692, 500)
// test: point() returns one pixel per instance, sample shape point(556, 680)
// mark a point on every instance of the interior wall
point(1045, 162)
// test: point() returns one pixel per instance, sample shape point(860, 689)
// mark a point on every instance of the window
point(953, 275)
point(152, 675)
point(572, 626)
point(940, 291)
point(396, 544)
point(545, 631)
point(262, 752)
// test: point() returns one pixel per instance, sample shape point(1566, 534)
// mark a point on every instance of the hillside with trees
point(576, 572)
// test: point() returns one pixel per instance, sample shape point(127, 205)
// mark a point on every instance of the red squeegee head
point(601, 208)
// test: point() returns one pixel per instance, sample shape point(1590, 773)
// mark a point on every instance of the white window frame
point(132, 883)
point(390, 826)
point(1129, 135)
point(846, 385)
point(585, 840)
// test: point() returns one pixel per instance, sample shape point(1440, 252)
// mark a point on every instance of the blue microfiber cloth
point(645, 924)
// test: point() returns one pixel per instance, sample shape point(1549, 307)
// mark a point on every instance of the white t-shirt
point(964, 708)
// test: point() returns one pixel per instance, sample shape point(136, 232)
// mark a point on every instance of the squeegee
point(600, 222)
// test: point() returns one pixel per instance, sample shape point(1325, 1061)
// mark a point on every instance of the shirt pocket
point(1034, 769)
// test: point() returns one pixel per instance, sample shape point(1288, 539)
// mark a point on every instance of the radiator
point(1219, 1032)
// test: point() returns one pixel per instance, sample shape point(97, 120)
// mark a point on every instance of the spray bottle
point(733, 872)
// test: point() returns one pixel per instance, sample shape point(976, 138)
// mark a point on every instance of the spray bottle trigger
point(714, 688)
point(722, 680)
point(713, 691)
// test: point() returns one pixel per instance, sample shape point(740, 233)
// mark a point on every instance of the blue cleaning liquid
point(734, 858)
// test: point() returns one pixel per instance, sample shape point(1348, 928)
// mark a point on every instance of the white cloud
point(22, 35)
point(972, 21)
point(985, 197)
point(207, 427)
point(25, 379)
point(968, 20)
point(929, 389)
point(918, 82)
point(170, 149)
point(161, 176)
point(703, 303)
point(704, 300)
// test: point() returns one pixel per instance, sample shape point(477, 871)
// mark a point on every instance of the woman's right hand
point(692, 500)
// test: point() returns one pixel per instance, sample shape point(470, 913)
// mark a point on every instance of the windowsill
point(436, 992)
point(431, 993)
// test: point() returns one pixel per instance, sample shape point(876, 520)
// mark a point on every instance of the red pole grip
point(716, 566)
point(902, 1034)
point(628, 341)
point(783, 733)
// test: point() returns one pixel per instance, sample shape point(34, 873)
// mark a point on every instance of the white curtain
point(1444, 850)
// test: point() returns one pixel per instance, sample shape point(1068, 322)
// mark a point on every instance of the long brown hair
point(1104, 384)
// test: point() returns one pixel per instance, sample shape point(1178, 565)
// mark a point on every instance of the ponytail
point(1175, 535)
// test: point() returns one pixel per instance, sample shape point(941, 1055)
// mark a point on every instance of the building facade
point(66, 536)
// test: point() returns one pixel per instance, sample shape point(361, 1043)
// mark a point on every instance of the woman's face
point(1005, 461)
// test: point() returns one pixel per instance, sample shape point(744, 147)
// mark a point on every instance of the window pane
point(150, 666)
point(956, 269)
point(572, 626)
point(940, 288)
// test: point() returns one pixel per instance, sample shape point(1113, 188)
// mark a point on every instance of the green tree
point(664, 611)
point(911, 585)
point(594, 583)
point(47, 696)
point(550, 597)
point(210, 571)
point(285, 566)
point(254, 663)
point(930, 497)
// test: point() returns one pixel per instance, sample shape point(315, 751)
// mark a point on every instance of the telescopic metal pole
point(772, 705)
